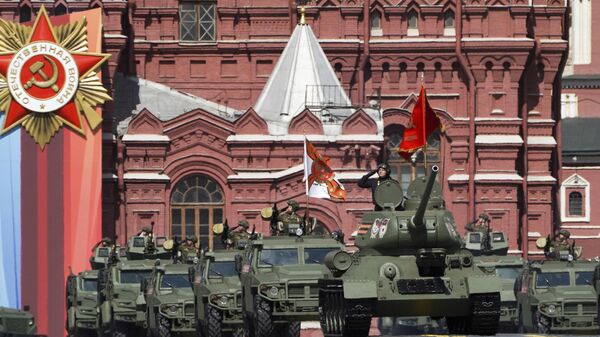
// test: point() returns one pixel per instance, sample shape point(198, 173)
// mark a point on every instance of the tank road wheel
point(485, 314)
point(163, 326)
point(213, 322)
point(118, 329)
point(291, 329)
point(263, 322)
point(457, 325)
point(341, 317)
point(542, 325)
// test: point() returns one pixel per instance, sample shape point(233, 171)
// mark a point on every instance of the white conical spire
point(302, 65)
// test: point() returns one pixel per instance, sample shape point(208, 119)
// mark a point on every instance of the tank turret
point(423, 224)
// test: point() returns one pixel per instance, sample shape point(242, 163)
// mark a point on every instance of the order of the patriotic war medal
point(47, 78)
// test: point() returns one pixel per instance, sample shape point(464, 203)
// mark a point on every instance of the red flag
point(320, 178)
point(424, 123)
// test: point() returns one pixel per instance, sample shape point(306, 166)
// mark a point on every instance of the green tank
point(557, 297)
point(15, 322)
point(409, 263)
point(122, 305)
point(279, 277)
point(507, 268)
point(169, 301)
point(82, 303)
point(218, 292)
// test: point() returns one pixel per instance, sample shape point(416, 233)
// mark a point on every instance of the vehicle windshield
point(317, 255)
point(222, 269)
point(583, 278)
point(90, 284)
point(507, 272)
point(134, 276)
point(278, 257)
point(174, 281)
point(553, 279)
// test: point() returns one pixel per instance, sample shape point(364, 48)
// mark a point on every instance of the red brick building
point(192, 148)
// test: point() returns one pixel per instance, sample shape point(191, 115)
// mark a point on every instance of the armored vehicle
point(279, 278)
point(557, 297)
point(507, 268)
point(82, 303)
point(121, 299)
point(408, 263)
point(410, 325)
point(494, 244)
point(103, 256)
point(169, 301)
point(15, 322)
point(218, 293)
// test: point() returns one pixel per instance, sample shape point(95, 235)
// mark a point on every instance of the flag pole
point(424, 110)
point(306, 177)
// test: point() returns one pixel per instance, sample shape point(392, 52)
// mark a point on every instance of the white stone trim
point(458, 177)
point(540, 120)
point(575, 180)
point(569, 105)
point(300, 138)
point(580, 168)
point(119, 36)
point(146, 138)
point(266, 175)
point(498, 176)
point(108, 136)
point(496, 39)
point(515, 251)
point(497, 119)
point(581, 32)
point(109, 176)
point(498, 139)
point(541, 178)
point(413, 40)
point(534, 235)
point(597, 236)
point(146, 176)
point(579, 227)
point(541, 140)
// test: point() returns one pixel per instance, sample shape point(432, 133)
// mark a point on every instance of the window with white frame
point(449, 29)
point(376, 24)
point(568, 105)
point(413, 23)
point(581, 32)
point(197, 21)
point(575, 199)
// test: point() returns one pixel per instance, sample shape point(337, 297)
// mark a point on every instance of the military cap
point(244, 223)
point(146, 229)
point(106, 239)
point(565, 232)
point(384, 166)
point(484, 217)
point(294, 204)
point(194, 239)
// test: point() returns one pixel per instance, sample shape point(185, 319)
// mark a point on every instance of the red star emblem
point(46, 73)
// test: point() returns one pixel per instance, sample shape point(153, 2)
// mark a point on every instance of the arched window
point(413, 19)
point(24, 14)
point(405, 171)
point(575, 203)
point(376, 24)
point(197, 203)
point(449, 19)
point(60, 9)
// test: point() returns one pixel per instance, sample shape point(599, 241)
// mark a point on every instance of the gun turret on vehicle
point(409, 263)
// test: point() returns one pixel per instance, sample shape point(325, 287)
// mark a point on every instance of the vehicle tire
point(238, 332)
point(163, 326)
point(263, 322)
point(118, 329)
point(291, 329)
point(541, 325)
point(213, 322)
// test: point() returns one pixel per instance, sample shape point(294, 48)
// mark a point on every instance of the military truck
point(82, 303)
point(557, 297)
point(120, 297)
point(507, 268)
point(15, 322)
point(218, 294)
point(478, 244)
point(279, 278)
point(409, 263)
point(169, 301)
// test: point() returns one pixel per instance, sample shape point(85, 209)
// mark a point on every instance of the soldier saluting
point(481, 225)
point(383, 174)
point(560, 243)
point(288, 217)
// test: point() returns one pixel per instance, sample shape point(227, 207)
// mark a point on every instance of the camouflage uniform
point(481, 225)
point(240, 234)
point(287, 218)
point(559, 244)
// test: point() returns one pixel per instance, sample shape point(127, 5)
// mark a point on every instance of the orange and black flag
point(424, 123)
point(319, 177)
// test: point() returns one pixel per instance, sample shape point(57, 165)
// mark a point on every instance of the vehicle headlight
point(172, 309)
point(30, 323)
point(273, 291)
point(220, 300)
point(549, 308)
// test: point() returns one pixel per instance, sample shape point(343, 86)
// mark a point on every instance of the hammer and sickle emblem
point(48, 82)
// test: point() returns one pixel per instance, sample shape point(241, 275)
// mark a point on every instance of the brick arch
point(399, 116)
point(305, 123)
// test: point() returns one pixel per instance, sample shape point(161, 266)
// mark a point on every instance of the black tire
point(214, 322)
point(163, 327)
point(263, 323)
point(291, 329)
point(118, 329)
point(540, 326)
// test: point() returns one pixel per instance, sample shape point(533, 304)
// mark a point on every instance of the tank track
point(340, 317)
point(485, 314)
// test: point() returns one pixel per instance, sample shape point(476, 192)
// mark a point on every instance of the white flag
point(319, 178)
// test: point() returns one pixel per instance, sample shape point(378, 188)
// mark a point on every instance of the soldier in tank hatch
point(383, 174)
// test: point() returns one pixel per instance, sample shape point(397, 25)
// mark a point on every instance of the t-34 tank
point(409, 263)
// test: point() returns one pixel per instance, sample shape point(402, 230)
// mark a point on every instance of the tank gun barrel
point(417, 219)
